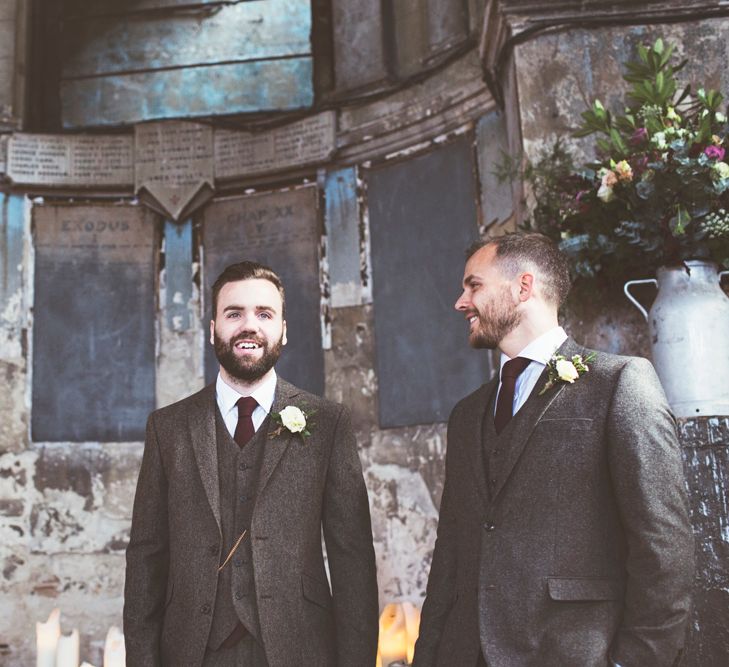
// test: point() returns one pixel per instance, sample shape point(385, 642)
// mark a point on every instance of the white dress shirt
point(540, 350)
point(227, 398)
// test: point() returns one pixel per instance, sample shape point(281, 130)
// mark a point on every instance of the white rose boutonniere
point(561, 369)
point(293, 419)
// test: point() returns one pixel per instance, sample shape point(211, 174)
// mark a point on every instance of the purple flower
point(714, 152)
point(640, 136)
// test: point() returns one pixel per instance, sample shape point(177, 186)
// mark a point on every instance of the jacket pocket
point(584, 588)
point(316, 591)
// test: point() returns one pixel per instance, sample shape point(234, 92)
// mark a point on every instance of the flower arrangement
point(659, 192)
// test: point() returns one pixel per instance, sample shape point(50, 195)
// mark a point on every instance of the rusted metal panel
point(237, 33)
point(407, 35)
point(344, 238)
point(13, 28)
point(422, 217)
point(492, 147)
point(447, 24)
point(359, 43)
point(178, 274)
point(281, 230)
point(103, 7)
point(189, 92)
point(442, 103)
point(705, 448)
point(227, 59)
point(94, 322)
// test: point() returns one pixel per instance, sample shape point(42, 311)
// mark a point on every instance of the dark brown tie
point(511, 370)
point(244, 430)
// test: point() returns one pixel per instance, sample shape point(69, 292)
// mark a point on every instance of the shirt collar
point(542, 348)
point(264, 393)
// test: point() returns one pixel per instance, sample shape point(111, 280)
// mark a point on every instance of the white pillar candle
point(412, 626)
point(393, 635)
point(86, 664)
point(46, 640)
point(114, 652)
point(68, 650)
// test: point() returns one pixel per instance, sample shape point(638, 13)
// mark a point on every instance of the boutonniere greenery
point(562, 369)
point(292, 419)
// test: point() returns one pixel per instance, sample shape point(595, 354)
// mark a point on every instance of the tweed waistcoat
point(238, 471)
point(494, 444)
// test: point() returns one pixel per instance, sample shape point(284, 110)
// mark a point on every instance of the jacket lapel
point(474, 434)
point(201, 421)
point(275, 446)
point(529, 415)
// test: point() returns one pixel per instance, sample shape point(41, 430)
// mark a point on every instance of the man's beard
point(245, 369)
point(498, 319)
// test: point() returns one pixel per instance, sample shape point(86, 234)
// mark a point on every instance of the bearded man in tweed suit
point(224, 564)
point(563, 538)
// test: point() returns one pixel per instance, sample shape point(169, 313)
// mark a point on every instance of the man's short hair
point(522, 251)
point(247, 271)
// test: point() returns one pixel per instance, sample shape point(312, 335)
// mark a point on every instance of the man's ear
point(283, 337)
point(212, 332)
point(526, 286)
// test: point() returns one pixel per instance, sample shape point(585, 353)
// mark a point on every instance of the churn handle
point(633, 300)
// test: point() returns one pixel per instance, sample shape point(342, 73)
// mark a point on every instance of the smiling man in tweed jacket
point(224, 564)
point(563, 538)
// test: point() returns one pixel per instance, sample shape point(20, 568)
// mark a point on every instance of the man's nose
point(462, 303)
point(249, 322)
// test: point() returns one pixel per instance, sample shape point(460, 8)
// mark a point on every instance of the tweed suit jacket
point(305, 484)
point(583, 549)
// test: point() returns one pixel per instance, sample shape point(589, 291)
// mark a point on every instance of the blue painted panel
point(148, 42)
point(422, 218)
point(93, 323)
point(187, 93)
point(178, 274)
point(343, 236)
point(12, 210)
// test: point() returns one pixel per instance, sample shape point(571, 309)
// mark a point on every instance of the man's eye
point(265, 316)
point(233, 315)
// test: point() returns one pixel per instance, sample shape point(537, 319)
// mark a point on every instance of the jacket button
point(239, 595)
point(489, 526)
point(205, 609)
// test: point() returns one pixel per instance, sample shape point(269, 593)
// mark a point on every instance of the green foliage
point(654, 195)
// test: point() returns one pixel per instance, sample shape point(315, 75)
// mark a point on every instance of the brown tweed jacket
point(305, 484)
point(583, 549)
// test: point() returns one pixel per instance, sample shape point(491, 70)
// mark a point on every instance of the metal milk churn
point(689, 328)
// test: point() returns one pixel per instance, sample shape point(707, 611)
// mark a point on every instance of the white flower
point(293, 419)
point(605, 193)
point(566, 370)
point(659, 140)
point(719, 117)
point(722, 169)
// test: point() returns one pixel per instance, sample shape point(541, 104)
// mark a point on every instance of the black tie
point(244, 430)
point(511, 370)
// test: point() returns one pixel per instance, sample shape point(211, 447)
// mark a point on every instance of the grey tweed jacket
point(305, 484)
point(582, 551)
